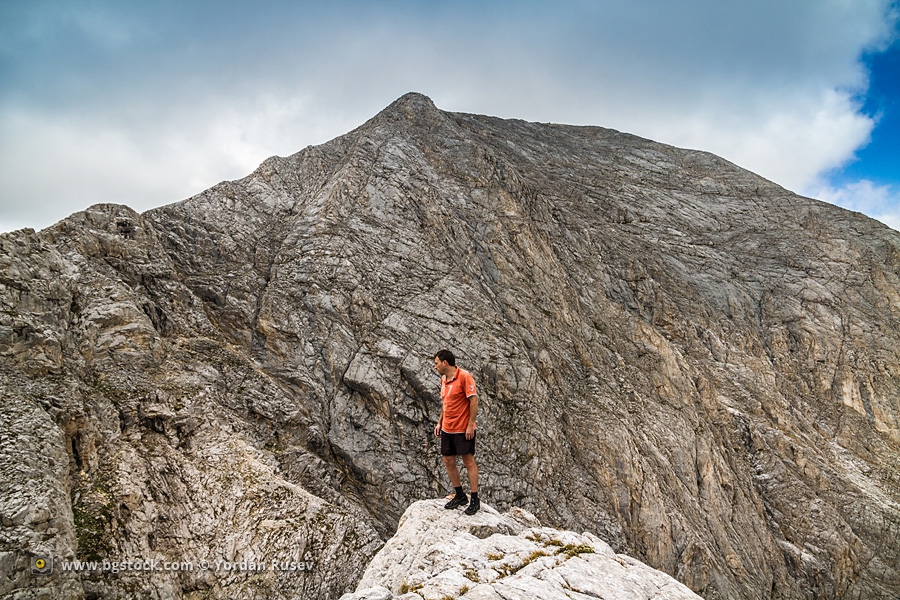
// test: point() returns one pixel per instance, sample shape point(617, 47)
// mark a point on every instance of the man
point(456, 427)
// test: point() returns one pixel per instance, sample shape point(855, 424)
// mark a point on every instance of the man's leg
point(452, 470)
point(471, 471)
point(460, 498)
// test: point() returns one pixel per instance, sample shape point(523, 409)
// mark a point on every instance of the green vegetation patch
point(573, 550)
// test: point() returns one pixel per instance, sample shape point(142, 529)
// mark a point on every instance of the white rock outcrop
point(438, 554)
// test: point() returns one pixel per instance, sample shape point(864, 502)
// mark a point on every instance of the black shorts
point(456, 444)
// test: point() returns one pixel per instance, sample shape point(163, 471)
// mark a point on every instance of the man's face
point(441, 366)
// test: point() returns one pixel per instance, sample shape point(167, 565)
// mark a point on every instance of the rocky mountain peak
point(411, 109)
point(413, 102)
point(672, 354)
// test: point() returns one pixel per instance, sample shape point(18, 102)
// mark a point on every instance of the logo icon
point(42, 565)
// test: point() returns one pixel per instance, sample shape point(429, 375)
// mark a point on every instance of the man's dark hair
point(443, 355)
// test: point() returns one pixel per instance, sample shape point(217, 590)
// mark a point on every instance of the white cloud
point(53, 165)
point(880, 202)
point(790, 140)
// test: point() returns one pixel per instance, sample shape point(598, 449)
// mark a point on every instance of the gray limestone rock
point(438, 553)
point(673, 354)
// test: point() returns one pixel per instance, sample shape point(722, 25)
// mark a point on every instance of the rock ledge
point(437, 554)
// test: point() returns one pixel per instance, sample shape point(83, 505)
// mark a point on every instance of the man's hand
point(437, 430)
point(470, 431)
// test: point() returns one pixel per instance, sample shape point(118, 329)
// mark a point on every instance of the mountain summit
point(673, 354)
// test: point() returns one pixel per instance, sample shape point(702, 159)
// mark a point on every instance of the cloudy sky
point(147, 103)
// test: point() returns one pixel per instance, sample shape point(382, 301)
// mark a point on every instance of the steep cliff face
point(672, 353)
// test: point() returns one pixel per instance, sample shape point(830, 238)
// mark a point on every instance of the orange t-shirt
point(455, 394)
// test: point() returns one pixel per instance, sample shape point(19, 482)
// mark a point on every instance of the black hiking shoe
point(456, 502)
point(474, 505)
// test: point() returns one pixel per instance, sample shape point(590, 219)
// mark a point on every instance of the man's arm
point(437, 428)
point(473, 412)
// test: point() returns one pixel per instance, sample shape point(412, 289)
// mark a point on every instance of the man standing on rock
point(456, 427)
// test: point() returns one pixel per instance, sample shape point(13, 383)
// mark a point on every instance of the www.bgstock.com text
point(45, 565)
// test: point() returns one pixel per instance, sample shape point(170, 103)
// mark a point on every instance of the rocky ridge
point(439, 554)
point(674, 354)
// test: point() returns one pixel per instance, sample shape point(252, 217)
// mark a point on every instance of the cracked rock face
point(673, 354)
point(437, 554)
